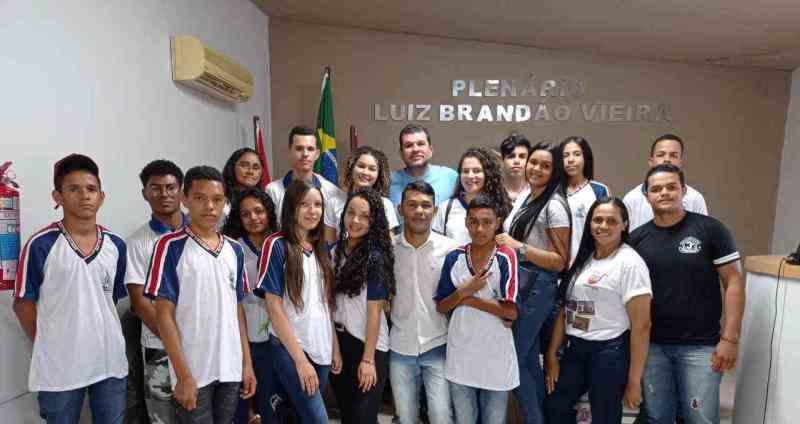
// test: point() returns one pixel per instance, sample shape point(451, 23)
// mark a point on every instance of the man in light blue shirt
point(416, 150)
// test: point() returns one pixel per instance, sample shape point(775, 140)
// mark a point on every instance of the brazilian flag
point(326, 133)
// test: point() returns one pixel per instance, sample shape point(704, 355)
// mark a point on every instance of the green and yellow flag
point(326, 133)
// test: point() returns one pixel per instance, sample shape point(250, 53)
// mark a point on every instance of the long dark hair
point(229, 172)
point(587, 247)
point(586, 151)
point(294, 254)
point(233, 223)
point(493, 186)
point(527, 215)
point(372, 257)
point(381, 183)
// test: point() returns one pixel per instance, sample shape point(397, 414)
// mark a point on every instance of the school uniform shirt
point(455, 218)
point(334, 214)
point(579, 204)
point(683, 261)
point(480, 349)
point(553, 215)
point(596, 302)
point(312, 325)
point(416, 325)
point(78, 334)
point(277, 189)
point(255, 308)
point(351, 312)
point(140, 247)
point(640, 211)
point(206, 284)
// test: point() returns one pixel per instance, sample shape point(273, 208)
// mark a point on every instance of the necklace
point(579, 188)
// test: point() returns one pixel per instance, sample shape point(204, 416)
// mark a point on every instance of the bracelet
point(368, 361)
point(721, 337)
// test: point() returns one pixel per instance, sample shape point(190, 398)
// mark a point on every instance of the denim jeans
point(310, 409)
point(267, 387)
point(601, 367)
point(534, 305)
point(356, 406)
point(681, 375)
point(216, 403)
point(135, 402)
point(474, 405)
point(106, 400)
point(408, 373)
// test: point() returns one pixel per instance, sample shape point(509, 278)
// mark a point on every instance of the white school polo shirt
point(480, 349)
point(312, 325)
point(640, 212)
point(351, 312)
point(595, 308)
point(206, 285)
point(78, 334)
point(579, 204)
point(255, 308)
point(277, 189)
point(456, 227)
point(140, 247)
point(333, 215)
point(416, 325)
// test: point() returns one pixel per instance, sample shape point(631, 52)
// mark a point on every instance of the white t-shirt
point(596, 302)
point(579, 204)
point(277, 189)
point(480, 349)
point(640, 212)
point(333, 215)
point(140, 247)
point(456, 223)
point(351, 312)
point(312, 325)
point(78, 334)
point(416, 325)
point(255, 308)
point(206, 285)
point(554, 213)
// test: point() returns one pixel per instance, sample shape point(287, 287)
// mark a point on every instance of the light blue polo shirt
point(441, 178)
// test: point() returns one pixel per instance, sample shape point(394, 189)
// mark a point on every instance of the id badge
point(581, 323)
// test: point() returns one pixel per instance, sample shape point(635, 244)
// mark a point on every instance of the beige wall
point(732, 119)
point(787, 232)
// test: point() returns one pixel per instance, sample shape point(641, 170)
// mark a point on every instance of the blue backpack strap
point(599, 189)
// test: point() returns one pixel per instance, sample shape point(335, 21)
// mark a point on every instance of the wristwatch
point(522, 250)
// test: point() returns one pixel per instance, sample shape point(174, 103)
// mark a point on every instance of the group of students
point(452, 283)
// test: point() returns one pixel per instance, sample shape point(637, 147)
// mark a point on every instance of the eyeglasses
point(169, 190)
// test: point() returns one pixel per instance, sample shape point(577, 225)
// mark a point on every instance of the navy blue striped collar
point(287, 179)
point(159, 227)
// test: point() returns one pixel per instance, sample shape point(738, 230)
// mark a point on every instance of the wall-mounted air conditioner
point(196, 65)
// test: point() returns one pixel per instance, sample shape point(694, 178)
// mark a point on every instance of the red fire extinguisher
point(9, 227)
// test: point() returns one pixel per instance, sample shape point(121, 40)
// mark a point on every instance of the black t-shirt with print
point(683, 261)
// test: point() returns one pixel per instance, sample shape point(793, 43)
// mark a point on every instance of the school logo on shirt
point(106, 282)
point(581, 212)
point(690, 245)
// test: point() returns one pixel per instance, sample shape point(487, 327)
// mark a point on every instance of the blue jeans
point(466, 400)
point(601, 367)
point(534, 305)
point(408, 373)
point(681, 376)
point(267, 386)
point(311, 409)
point(106, 400)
